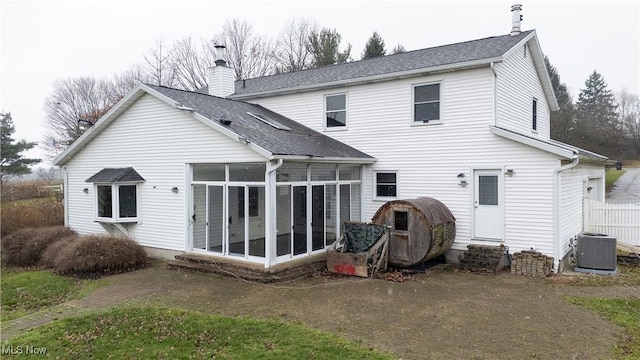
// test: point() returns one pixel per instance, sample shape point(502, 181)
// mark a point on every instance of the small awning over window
point(115, 175)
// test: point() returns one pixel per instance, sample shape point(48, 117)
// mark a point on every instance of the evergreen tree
point(374, 47)
point(399, 49)
point(563, 120)
point(324, 47)
point(13, 163)
point(598, 119)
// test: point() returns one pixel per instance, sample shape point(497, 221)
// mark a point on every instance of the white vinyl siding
point(573, 185)
point(158, 141)
point(430, 157)
point(517, 82)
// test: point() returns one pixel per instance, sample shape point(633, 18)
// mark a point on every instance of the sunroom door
point(207, 220)
point(299, 220)
point(199, 218)
point(215, 224)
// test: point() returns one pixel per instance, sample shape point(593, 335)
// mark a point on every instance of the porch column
point(270, 218)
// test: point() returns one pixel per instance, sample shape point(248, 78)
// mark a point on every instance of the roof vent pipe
point(220, 55)
point(516, 19)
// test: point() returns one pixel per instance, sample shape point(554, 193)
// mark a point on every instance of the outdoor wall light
point(174, 189)
point(463, 183)
point(85, 190)
point(509, 172)
point(461, 175)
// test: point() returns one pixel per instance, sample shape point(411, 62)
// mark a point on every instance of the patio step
point(290, 270)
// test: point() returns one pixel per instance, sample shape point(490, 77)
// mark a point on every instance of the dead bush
point(24, 247)
point(98, 255)
point(30, 214)
point(22, 190)
point(50, 254)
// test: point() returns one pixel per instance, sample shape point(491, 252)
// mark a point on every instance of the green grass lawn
point(624, 312)
point(24, 292)
point(611, 176)
point(158, 333)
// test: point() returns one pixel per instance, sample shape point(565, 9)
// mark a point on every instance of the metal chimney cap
point(220, 55)
point(516, 19)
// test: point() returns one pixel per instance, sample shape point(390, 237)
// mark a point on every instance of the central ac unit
point(597, 251)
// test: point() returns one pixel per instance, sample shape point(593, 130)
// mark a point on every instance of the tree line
point(76, 103)
point(598, 121)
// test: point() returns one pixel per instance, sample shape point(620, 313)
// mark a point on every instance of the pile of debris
point(483, 259)
point(531, 263)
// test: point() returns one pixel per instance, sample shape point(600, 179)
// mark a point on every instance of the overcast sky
point(42, 41)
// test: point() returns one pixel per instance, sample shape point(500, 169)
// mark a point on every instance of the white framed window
point(534, 115)
point(335, 110)
point(117, 202)
point(426, 104)
point(385, 184)
point(116, 194)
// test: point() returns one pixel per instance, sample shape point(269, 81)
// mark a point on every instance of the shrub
point(31, 213)
point(25, 246)
point(97, 255)
point(50, 254)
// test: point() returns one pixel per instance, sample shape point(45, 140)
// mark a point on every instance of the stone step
point(249, 271)
point(483, 255)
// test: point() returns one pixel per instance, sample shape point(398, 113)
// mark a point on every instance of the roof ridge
point(383, 56)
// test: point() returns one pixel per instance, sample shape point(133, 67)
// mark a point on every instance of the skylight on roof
point(269, 121)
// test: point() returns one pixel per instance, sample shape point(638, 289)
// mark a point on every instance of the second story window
point(534, 117)
point(336, 110)
point(426, 103)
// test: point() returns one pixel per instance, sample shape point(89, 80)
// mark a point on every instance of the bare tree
point(190, 63)
point(73, 106)
point(125, 81)
point(158, 64)
point(292, 51)
point(629, 107)
point(250, 55)
point(47, 175)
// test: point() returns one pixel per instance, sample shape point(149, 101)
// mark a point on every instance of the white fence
point(619, 220)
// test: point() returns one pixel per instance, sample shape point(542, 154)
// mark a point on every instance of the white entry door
point(487, 204)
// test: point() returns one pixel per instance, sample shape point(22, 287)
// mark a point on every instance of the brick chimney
point(516, 19)
point(220, 76)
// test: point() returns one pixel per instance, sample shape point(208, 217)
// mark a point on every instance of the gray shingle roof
point(115, 175)
point(464, 52)
point(298, 141)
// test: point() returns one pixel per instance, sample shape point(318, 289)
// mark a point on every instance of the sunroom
point(272, 212)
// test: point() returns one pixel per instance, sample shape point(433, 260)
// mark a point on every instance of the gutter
point(65, 193)
point(495, 94)
point(557, 183)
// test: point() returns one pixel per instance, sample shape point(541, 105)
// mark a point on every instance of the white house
point(264, 170)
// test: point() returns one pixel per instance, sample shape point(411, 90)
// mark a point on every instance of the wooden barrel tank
point(422, 229)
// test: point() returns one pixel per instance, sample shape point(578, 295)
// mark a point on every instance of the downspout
point(557, 183)
point(495, 94)
point(270, 213)
point(65, 193)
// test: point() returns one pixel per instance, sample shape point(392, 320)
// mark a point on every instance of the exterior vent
point(597, 252)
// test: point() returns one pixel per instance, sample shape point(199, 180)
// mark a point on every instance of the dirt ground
point(438, 315)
